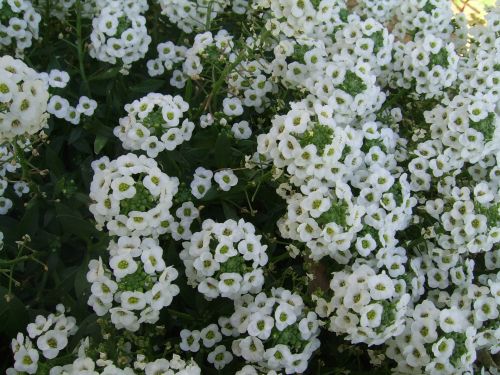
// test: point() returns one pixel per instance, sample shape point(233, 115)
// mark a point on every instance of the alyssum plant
point(315, 177)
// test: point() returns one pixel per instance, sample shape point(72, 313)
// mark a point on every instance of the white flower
point(86, 106)
point(26, 360)
point(485, 308)
point(381, 287)
point(219, 357)
point(226, 179)
point(190, 340)
point(371, 315)
point(230, 284)
point(443, 348)
point(58, 106)
point(210, 335)
point(241, 130)
point(284, 316)
point(122, 265)
point(452, 320)
point(152, 260)
point(232, 107)
point(51, 342)
point(260, 325)
point(58, 78)
point(133, 300)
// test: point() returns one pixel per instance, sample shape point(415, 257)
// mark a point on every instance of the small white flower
point(381, 287)
point(219, 357)
point(284, 316)
point(26, 360)
point(210, 335)
point(190, 340)
point(226, 179)
point(51, 342)
point(133, 300)
point(371, 315)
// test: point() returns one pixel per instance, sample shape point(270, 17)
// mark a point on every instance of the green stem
point(78, 9)
point(180, 314)
point(218, 84)
point(19, 156)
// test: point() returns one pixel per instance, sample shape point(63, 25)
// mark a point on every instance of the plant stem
point(78, 10)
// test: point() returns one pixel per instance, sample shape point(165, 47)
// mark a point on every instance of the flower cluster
point(273, 332)
point(191, 15)
point(375, 122)
point(366, 306)
point(429, 64)
point(349, 191)
point(417, 19)
point(225, 259)
point(119, 34)
point(140, 282)
point(301, 18)
point(18, 25)
point(60, 108)
point(345, 86)
point(23, 100)
point(85, 364)
point(155, 123)
point(51, 334)
point(205, 46)
point(132, 196)
point(168, 55)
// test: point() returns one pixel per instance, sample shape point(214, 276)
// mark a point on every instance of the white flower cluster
point(205, 45)
point(344, 85)
point(51, 334)
point(5, 202)
point(86, 365)
point(60, 107)
point(251, 370)
point(251, 86)
point(366, 306)
point(341, 174)
point(192, 15)
point(362, 40)
point(418, 18)
point(444, 334)
point(381, 10)
point(301, 18)
point(18, 25)
point(140, 283)
point(274, 333)
point(9, 165)
point(132, 196)
point(168, 55)
point(430, 64)
point(119, 34)
point(330, 165)
point(155, 123)
point(23, 100)
point(225, 259)
point(202, 181)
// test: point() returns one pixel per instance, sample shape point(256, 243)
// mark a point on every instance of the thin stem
point(78, 9)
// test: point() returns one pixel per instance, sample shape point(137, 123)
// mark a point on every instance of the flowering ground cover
point(249, 187)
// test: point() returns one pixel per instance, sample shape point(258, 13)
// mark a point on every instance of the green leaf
point(13, 313)
point(99, 143)
point(222, 154)
point(229, 211)
point(148, 85)
point(74, 224)
point(108, 74)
